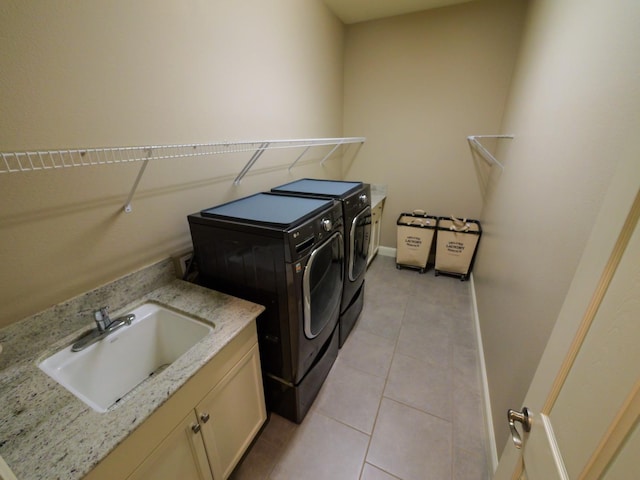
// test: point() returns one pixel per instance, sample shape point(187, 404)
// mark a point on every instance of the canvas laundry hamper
point(415, 236)
point(456, 246)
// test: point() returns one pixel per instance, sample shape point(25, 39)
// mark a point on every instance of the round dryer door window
point(359, 244)
point(322, 285)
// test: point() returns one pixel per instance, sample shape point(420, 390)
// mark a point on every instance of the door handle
point(522, 417)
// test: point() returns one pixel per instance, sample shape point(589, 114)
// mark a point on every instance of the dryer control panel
point(314, 231)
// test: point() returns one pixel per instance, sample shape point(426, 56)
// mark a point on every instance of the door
point(584, 400)
point(359, 243)
point(322, 286)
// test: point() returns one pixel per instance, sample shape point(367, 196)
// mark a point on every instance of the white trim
point(387, 251)
point(555, 449)
point(486, 398)
point(5, 471)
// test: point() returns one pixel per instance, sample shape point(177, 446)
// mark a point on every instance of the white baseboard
point(492, 451)
point(387, 251)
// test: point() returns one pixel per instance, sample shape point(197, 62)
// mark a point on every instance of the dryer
point(287, 254)
point(355, 198)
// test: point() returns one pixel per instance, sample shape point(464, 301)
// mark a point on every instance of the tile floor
point(402, 400)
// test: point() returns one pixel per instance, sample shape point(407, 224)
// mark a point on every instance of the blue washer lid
point(268, 208)
point(319, 187)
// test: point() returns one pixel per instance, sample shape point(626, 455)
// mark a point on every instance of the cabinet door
point(180, 455)
point(232, 414)
point(378, 225)
point(376, 215)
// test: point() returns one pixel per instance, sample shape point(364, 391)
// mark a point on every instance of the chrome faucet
point(104, 327)
point(102, 319)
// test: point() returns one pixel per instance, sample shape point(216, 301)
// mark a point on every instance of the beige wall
point(574, 108)
point(416, 86)
point(115, 73)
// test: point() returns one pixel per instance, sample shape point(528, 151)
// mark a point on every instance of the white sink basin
point(106, 371)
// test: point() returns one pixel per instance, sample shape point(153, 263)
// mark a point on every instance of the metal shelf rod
point(254, 158)
point(484, 153)
point(330, 153)
point(299, 157)
point(127, 205)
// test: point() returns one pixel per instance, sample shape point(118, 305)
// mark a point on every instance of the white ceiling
point(353, 11)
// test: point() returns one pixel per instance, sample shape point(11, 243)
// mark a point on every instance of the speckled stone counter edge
point(378, 194)
point(46, 432)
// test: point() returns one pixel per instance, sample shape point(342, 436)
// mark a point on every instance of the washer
point(287, 254)
point(355, 198)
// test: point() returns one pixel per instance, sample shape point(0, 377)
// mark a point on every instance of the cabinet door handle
point(195, 427)
point(204, 417)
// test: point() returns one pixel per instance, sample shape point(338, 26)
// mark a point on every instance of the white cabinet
point(204, 428)
point(213, 437)
point(180, 455)
point(374, 241)
point(232, 414)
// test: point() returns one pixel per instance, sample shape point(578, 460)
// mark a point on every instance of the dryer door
point(322, 285)
point(359, 243)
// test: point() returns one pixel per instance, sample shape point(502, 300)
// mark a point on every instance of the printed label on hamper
point(413, 242)
point(455, 248)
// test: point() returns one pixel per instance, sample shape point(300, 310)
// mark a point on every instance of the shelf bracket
point(299, 157)
point(254, 158)
point(331, 152)
point(127, 206)
point(484, 153)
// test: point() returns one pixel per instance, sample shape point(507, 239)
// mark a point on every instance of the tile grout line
point(452, 402)
point(386, 380)
point(281, 451)
point(414, 294)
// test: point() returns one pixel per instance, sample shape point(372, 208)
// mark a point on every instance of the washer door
point(359, 243)
point(322, 285)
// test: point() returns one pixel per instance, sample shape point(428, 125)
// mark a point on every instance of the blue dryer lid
point(268, 208)
point(318, 187)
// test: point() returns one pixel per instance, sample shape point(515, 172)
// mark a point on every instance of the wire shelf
point(29, 161)
point(51, 159)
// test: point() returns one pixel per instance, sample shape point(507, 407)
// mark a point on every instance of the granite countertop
point(376, 199)
point(378, 194)
point(45, 431)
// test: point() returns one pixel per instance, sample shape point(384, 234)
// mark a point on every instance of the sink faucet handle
point(102, 318)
